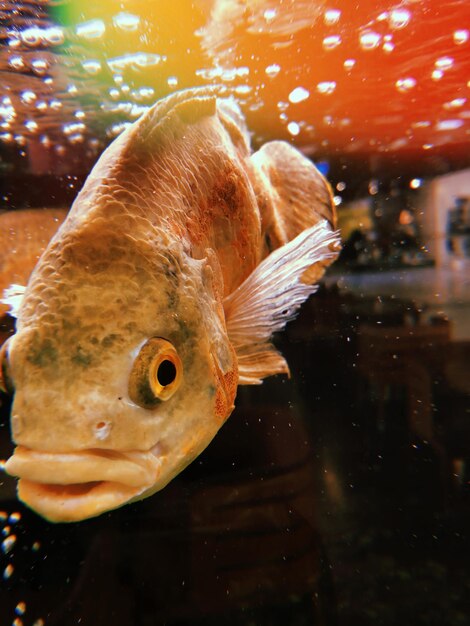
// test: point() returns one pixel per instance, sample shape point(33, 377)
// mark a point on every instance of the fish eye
point(156, 373)
point(6, 383)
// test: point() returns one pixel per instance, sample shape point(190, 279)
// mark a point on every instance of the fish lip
point(70, 486)
point(75, 502)
point(133, 468)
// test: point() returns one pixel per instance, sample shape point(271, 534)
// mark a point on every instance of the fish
point(158, 296)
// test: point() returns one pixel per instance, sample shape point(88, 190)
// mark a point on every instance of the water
point(340, 495)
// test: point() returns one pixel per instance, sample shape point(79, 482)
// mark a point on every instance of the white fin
point(270, 297)
point(13, 297)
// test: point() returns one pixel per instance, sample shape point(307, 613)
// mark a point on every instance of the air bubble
point(444, 63)
point(331, 16)
point(91, 66)
point(40, 66)
point(16, 63)
point(94, 29)
point(299, 94)
point(399, 18)
point(54, 35)
point(461, 36)
point(369, 40)
point(349, 64)
point(31, 125)
point(405, 84)
point(31, 36)
point(293, 128)
point(273, 70)
point(449, 124)
point(326, 87)
point(127, 22)
point(456, 103)
point(331, 42)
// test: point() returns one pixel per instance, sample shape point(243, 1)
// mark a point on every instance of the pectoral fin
point(270, 297)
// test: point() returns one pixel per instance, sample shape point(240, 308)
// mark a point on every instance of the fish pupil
point(166, 373)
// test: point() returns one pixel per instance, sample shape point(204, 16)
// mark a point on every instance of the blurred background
point(341, 495)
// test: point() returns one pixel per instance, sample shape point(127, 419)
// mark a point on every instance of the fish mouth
point(72, 486)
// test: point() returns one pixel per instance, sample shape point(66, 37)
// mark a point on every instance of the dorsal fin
point(292, 196)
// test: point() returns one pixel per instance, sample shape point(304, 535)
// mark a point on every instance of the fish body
point(180, 256)
point(24, 234)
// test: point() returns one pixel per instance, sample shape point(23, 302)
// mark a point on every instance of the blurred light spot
point(337, 200)
point(20, 608)
point(273, 70)
point(428, 146)
point(437, 74)
point(8, 544)
point(341, 186)
point(373, 187)
point(369, 40)
point(388, 46)
point(449, 124)
point(298, 95)
point(293, 128)
point(415, 183)
point(55, 104)
point(421, 124)
point(326, 87)
point(269, 14)
point(461, 36)
point(331, 42)
point(14, 518)
point(126, 21)
point(405, 84)
point(172, 81)
point(331, 16)
point(399, 18)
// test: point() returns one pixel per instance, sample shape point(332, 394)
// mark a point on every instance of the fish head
point(121, 368)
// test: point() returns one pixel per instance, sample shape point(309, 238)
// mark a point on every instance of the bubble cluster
point(107, 65)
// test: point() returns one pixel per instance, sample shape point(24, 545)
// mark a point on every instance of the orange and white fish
point(156, 298)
